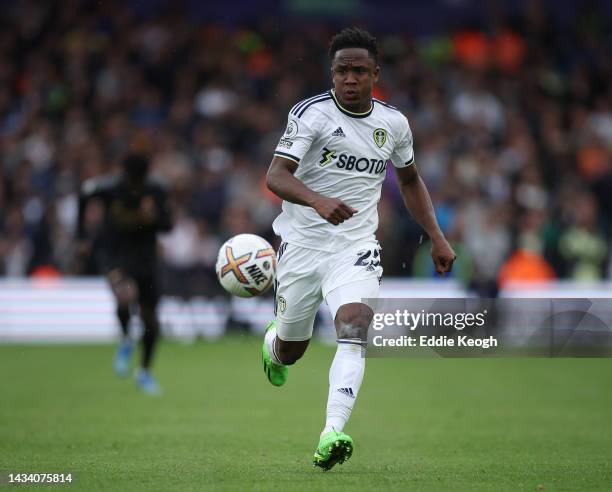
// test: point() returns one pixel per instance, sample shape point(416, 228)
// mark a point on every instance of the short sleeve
point(403, 153)
point(298, 137)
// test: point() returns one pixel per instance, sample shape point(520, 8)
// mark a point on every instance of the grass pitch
point(419, 424)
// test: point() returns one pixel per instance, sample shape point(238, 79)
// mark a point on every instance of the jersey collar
point(351, 113)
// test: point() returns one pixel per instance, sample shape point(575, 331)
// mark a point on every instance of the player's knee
point(352, 321)
point(123, 298)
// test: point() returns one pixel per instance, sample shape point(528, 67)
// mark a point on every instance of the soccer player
point(328, 168)
point(135, 210)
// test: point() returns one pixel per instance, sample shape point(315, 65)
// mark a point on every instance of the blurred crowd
point(512, 125)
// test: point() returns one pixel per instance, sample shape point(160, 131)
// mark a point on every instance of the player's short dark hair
point(354, 37)
point(136, 166)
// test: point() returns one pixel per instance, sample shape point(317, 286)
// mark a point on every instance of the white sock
point(269, 340)
point(345, 376)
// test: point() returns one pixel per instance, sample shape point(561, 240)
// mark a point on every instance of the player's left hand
point(443, 256)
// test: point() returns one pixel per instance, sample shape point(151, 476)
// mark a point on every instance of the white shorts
point(305, 277)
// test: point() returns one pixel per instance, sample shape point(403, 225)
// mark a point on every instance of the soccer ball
point(246, 265)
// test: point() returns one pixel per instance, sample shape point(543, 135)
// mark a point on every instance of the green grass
point(419, 424)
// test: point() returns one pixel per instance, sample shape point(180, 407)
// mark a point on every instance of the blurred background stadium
point(509, 101)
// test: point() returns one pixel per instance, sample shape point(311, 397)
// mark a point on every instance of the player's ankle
point(333, 425)
point(270, 341)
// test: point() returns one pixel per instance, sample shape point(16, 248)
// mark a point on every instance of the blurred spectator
point(583, 245)
point(475, 106)
point(189, 254)
point(15, 247)
point(525, 266)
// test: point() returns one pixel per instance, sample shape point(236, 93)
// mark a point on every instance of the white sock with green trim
point(269, 341)
point(345, 377)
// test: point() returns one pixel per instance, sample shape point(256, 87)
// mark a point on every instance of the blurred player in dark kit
point(135, 211)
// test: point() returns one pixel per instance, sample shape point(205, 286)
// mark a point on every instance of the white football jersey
point(342, 155)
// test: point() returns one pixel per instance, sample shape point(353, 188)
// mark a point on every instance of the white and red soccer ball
point(246, 265)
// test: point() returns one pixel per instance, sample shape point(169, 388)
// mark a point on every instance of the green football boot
point(276, 373)
point(334, 448)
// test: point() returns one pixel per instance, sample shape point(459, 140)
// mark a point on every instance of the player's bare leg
point(345, 377)
point(125, 292)
point(290, 352)
point(144, 378)
point(277, 354)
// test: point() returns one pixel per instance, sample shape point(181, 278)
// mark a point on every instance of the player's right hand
point(334, 210)
point(147, 208)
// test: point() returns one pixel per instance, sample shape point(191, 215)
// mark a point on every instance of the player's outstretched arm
point(281, 181)
point(418, 202)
